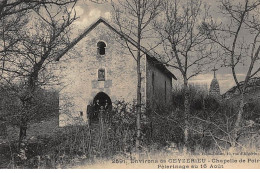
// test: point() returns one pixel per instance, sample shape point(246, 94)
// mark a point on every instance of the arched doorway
point(100, 101)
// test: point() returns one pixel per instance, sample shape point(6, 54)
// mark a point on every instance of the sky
point(88, 12)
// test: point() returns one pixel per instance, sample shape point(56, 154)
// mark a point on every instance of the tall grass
point(211, 124)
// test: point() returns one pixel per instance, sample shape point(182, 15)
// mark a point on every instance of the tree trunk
point(23, 120)
point(235, 134)
point(22, 135)
point(138, 109)
point(186, 116)
point(27, 100)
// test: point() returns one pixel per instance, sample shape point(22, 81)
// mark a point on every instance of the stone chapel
point(104, 72)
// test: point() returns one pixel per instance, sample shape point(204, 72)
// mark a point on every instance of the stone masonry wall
point(80, 75)
point(158, 94)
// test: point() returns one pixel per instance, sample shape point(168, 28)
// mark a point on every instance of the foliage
point(237, 38)
point(45, 105)
point(211, 124)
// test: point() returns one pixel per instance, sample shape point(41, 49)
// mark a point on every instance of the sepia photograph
point(129, 84)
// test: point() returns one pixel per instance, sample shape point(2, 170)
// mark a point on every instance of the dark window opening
point(101, 46)
point(101, 74)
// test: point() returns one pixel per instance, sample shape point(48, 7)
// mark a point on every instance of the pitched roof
point(158, 64)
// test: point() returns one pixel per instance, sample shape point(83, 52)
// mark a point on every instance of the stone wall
point(159, 89)
point(80, 75)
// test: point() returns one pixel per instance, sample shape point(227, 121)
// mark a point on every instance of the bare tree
point(40, 39)
point(185, 47)
point(133, 18)
point(238, 37)
point(12, 20)
point(8, 8)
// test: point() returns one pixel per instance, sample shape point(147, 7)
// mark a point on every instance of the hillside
point(252, 91)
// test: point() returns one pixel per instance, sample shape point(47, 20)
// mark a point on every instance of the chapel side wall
point(81, 75)
point(157, 94)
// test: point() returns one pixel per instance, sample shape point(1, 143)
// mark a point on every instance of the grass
point(36, 131)
point(43, 128)
point(49, 146)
